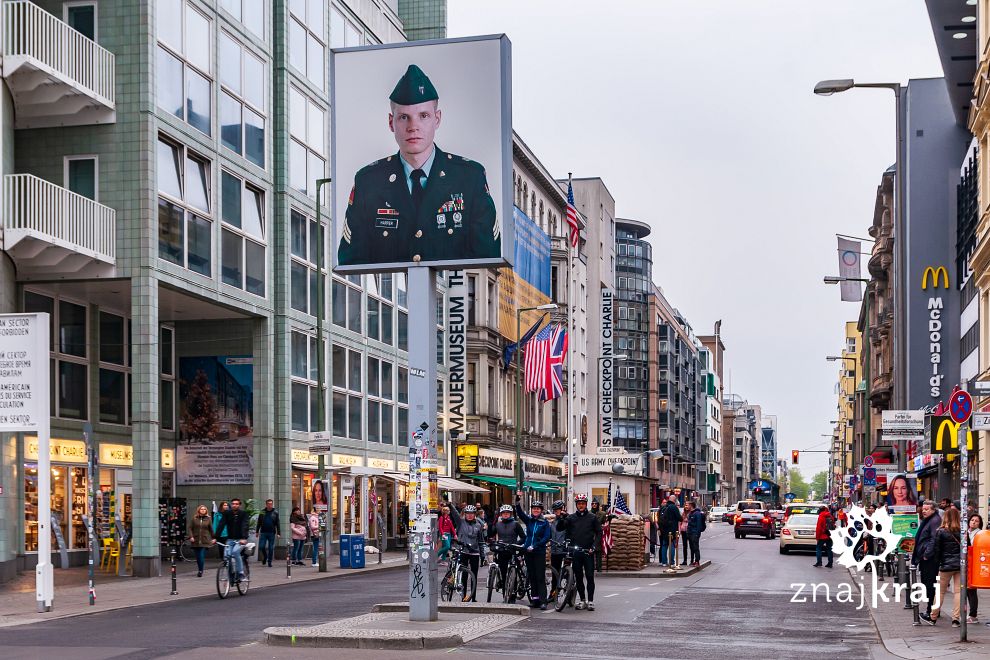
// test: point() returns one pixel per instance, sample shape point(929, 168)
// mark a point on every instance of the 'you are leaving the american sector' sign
point(23, 371)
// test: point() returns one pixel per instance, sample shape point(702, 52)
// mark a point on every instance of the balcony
point(57, 76)
point(52, 233)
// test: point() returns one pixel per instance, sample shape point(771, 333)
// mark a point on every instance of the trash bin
point(352, 550)
point(345, 550)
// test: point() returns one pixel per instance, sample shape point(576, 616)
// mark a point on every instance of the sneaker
point(817, 565)
point(581, 606)
point(543, 606)
point(828, 565)
point(199, 574)
point(315, 565)
point(591, 606)
point(955, 624)
point(972, 619)
point(465, 599)
point(927, 619)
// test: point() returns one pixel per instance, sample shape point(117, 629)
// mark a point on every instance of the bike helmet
point(580, 497)
point(505, 508)
point(559, 504)
point(470, 508)
point(535, 505)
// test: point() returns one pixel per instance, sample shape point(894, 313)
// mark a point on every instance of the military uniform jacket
point(456, 219)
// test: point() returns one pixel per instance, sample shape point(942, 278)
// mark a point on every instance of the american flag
point(544, 362)
point(619, 505)
point(572, 215)
point(607, 542)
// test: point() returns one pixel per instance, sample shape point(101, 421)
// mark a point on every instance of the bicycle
point(517, 586)
point(459, 578)
point(566, 584)
point(226, 574)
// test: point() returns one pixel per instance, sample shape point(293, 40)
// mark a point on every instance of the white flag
point(849, 267)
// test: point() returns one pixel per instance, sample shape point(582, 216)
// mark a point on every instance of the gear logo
point(846, 539)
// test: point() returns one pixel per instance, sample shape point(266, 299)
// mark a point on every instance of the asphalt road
point(740, 607)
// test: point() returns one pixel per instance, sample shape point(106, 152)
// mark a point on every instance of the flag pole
point(570, 361)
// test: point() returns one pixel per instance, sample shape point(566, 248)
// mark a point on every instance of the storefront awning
point(446, 483)
point(544, 486)
point(508, 482)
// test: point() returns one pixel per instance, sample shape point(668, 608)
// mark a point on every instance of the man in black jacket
point(583, 529)
point(235, 522)
point(670, 519)
point(267, 530)
point(923, 555)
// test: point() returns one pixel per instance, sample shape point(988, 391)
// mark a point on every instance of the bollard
point(175, 588)
point(914, 605)
point(288, 558)
point(904, 576)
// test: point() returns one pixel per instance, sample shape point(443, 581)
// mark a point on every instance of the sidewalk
point(17, 598)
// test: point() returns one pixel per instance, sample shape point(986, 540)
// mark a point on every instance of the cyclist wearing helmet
point(507, 530)
point(558, 544)
point(584, 530)
point(471, 535)
point(537, 538)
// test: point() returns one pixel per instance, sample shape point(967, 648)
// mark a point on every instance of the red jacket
point(821, 528)
point(447, 526)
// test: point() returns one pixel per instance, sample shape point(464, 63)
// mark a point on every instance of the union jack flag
point(572, 215)
point(544, 362)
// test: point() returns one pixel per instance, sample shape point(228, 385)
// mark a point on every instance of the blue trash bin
point(345, 550)
point(357, 551)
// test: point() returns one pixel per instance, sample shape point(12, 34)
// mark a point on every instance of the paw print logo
point(846, 540)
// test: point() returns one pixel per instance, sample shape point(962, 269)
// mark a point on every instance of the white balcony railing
point(57, 76)
point(52, 232)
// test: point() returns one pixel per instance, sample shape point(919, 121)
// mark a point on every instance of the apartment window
point(380, 409)
point(247, 12)
point(472, 300)
point(166, 353)
point(307, 148)
point(81, 17)
point(403, 391)
point(304, 357)
point(307, 46)
point(242, 259)
point(184, 207)
point(81, 175)
point(303, 282)
point(472, 389)
point(343, 33)
point(115, 372)
point(242, 100)
point(403, 331)
point(850, 344)
point(347, 394)
point(69, 364)
point(183, 63)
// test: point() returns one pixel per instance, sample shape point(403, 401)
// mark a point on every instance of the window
point(115, 370)
point(166, 354)
point(305, 394)
point(380, 410)
point(247, 12)
point(242, 100)
point(81, 176)
point(69, 370)
point(303, 283)
point(307, 45)
point(343, 33)
point(81, 17)
point(347, 398)
point(380, 312)
point(307, 148)
point(183, 63)
point(242, 259)
point(472, 299)
point(184, 208)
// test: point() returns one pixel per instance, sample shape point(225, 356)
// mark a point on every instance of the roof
point(954, 27)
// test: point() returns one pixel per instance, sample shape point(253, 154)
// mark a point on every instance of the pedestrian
point(314, 535)
point(219, 533)
point(235, 525)
point(823, 537)
point(651, 523)
point(923, 555)
point(841, 517)
point(696, 525)
point(947, 550)
point(972, 595)
point(268, 530)
point(537, 539)
point(299, 530)
point(670, 520)
point(445, 529)
point(682, 529)
point(201, 536)
point(596, 510)
point(944, 503)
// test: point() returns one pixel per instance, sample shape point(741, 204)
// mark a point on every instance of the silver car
point(798, 533)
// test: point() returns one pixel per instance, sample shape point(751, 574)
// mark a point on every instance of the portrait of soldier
point(420, 203)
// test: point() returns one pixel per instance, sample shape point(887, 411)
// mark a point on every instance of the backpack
point(704, 524)
point(829, 522)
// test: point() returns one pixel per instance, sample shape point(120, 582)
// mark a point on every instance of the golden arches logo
point(947, 424)
point(935, 274)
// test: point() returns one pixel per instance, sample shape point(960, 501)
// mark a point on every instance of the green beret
point(413, 87)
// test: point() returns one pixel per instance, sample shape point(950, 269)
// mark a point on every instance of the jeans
point(266, 549)
point(316, 550)
point(695, 541)
point(234, 552)
point(583, 565)
point(685, 547)
point(200, 557)
point(445, 546)
point(929, 576)
point(668, 548)
point(823, 547)
point(473, 562)
point(536, 566)
point(297, 547)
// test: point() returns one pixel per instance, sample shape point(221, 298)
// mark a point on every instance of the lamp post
point(321, 374)
point(827, 88)
point(519, 380)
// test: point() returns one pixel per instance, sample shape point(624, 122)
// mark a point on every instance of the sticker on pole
point(961, 407)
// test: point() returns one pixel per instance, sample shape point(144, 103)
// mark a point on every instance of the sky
point(700, 119)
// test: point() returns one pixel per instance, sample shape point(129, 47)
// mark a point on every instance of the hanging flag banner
point(849, 253)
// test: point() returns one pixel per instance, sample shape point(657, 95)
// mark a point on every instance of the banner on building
point(456, 353)
point(527, 283)
point(849, 266)
point(216, 425)
point(606, 372)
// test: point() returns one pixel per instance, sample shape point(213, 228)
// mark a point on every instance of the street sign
point(869, 477)
point(961, 407)
point(790, 497)
point(980, 422)
point(319, 442)
point(902, 425)
point(868, 461)
point(981, 386)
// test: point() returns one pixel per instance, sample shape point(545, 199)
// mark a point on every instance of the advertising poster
point(527, 283)
point(902, 494)
point(216, 434)
point(422, 155)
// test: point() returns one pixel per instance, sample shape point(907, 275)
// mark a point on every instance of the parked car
point(717, 513)
point(798, 533)
point(754, 521)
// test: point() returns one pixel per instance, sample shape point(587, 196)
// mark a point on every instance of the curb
point(460, 608)
point(371, 643)
point(657, 573)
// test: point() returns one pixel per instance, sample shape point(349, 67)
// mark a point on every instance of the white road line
point(610, 595)
point(634, 589)
point(653, 584)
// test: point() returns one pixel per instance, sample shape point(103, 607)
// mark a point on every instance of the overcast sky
point(699, 117)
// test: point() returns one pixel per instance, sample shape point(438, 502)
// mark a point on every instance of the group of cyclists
point(580, 531)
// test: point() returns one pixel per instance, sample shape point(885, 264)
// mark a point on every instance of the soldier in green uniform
point(422, 203)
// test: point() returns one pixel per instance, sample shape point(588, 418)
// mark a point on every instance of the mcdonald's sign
point(944, 435)
point(935, 273)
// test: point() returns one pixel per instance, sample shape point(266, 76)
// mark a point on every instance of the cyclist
point(235, 523)
point(537, 538)
point(583, 529)
point(507, 530)
point(558, 545)
point(471, 536)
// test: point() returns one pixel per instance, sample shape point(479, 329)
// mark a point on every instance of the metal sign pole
point(91, 500)
point(962, 435)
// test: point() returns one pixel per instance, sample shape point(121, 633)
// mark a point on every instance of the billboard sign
point(944, 436)
point(24, 372)
point(606, 372)
point(422, 155)
point(527, 283)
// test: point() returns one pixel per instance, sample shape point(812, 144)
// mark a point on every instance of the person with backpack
point(947, 551)
point(696, 525)
point(823, 537)
point(923, 555)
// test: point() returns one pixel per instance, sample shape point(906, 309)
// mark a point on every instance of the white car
point(716, 512)
point(798, 533)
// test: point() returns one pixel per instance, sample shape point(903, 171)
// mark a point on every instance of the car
point(717, 513)
point(807, 508)
point(777, 515)
point(798, 533)
point(754, 521)
point(743, 505)
point(729, 516)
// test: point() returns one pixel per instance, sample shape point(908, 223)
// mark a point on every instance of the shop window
point(183, 63)
point(68, 505)
point(184, 208)
point(69, 371)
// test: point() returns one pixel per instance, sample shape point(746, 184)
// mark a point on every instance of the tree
point(799, 486)
point(200, 418)
point(819, 483)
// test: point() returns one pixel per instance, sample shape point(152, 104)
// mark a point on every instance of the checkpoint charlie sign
point(23, 372)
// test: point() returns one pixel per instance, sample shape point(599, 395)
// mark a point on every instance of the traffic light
point(794, 456)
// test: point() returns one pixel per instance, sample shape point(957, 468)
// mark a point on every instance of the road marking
point(610, 595)
point(653, 584)
point(634, 589)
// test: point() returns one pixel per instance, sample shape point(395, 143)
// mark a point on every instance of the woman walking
point(447, 533)
point(972, 595)
point(300, 530)
point(201, 535)
point(219, 533)
point(947, 549)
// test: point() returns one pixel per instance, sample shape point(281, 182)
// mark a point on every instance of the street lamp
point(519, 380)
point(619, 468)
point(827, 88)
point(321, 376)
